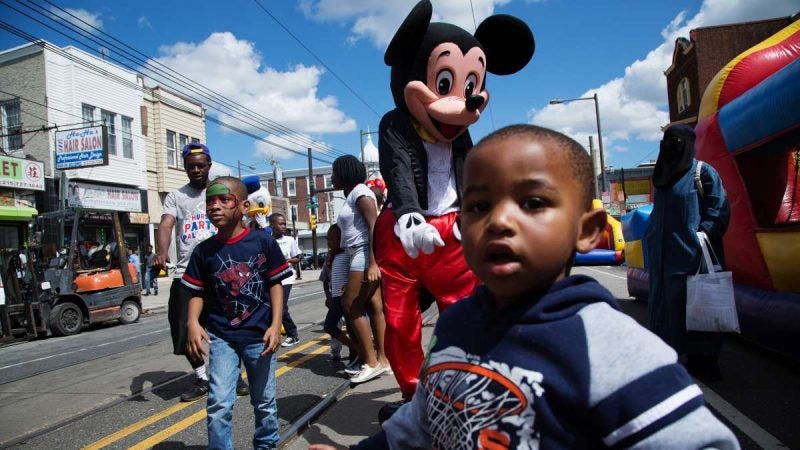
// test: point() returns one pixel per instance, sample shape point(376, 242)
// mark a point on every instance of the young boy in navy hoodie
point(537, 358)
point(237, 275)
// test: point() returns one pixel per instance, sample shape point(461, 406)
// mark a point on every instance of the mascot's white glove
point(415, 234)
point(261, 219)
point(456, 231)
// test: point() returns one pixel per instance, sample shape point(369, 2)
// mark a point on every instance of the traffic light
point(312, 221)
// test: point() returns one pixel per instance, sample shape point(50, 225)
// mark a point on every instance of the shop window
point(9, 237)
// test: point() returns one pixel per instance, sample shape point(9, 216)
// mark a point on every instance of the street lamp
point(557, 101)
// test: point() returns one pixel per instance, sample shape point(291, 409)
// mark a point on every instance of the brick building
point(695, 61)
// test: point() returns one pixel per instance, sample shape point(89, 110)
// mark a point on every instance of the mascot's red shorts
point(443, 273)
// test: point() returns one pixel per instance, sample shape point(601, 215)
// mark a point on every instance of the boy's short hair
point(274, 216)
point(235, 184)
point(577, 157)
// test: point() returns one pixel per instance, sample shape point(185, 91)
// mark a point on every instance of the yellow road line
point(134, 427)
point(172, 430)
point(111, 438)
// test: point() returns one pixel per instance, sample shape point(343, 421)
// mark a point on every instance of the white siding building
point(75, 90)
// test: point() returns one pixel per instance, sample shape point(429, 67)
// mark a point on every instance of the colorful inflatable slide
point(607, 252)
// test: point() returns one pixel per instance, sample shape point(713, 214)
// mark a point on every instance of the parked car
point(307, 260)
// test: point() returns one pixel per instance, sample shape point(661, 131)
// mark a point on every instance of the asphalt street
point(115, 386)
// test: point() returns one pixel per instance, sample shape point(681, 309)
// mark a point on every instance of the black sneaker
point(242, 388)
point(198, 390)
point(290, 342)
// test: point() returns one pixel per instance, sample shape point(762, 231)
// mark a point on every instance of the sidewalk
point(354, 415)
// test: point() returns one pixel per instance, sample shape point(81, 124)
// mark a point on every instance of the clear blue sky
point(333, 83)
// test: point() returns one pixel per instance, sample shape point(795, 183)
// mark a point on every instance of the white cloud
point(634, 106)
point(233, 69)
point(80, 18)
point(282, 146)
point(377, 20)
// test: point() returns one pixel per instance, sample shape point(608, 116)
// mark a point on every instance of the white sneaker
point(290, 342)
point(367, 373)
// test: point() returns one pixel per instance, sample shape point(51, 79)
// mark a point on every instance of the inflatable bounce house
point(749, 130)
point(608, 251)
point(634, 224)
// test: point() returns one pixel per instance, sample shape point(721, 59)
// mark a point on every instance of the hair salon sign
point(84, 147)
point(87, 195)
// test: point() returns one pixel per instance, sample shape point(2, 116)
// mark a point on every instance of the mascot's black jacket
point(403, 159)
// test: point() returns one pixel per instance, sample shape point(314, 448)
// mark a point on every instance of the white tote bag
point(710, 303)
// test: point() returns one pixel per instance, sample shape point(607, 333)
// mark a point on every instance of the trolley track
point(287, 360)
point(174, 420)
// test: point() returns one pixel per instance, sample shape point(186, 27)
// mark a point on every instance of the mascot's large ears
point(408, 38)
point(507, 41)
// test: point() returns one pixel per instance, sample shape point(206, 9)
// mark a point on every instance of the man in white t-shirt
point(291, 252)
point(185, 209)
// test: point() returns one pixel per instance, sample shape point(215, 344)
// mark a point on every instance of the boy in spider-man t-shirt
point(536, 357)
point(238, 274)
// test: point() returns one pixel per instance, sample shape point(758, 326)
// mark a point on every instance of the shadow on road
point(359, 418)
point(167, 391)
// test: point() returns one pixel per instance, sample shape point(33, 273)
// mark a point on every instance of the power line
point(215, 101)
point(121, 80)
point(289, 32)
point(153, 140)
point(297, 152)
point(230, 108)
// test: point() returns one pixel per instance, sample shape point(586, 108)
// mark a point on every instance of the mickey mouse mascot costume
point(438, 84)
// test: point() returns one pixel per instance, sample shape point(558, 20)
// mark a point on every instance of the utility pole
point(312, 206)
point(595, 172)
point(277, 177)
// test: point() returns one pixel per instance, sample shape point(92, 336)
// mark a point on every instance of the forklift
point(66, 281)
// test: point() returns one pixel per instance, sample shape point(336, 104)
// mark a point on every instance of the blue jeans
point(150, 280)
point(223, 371)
